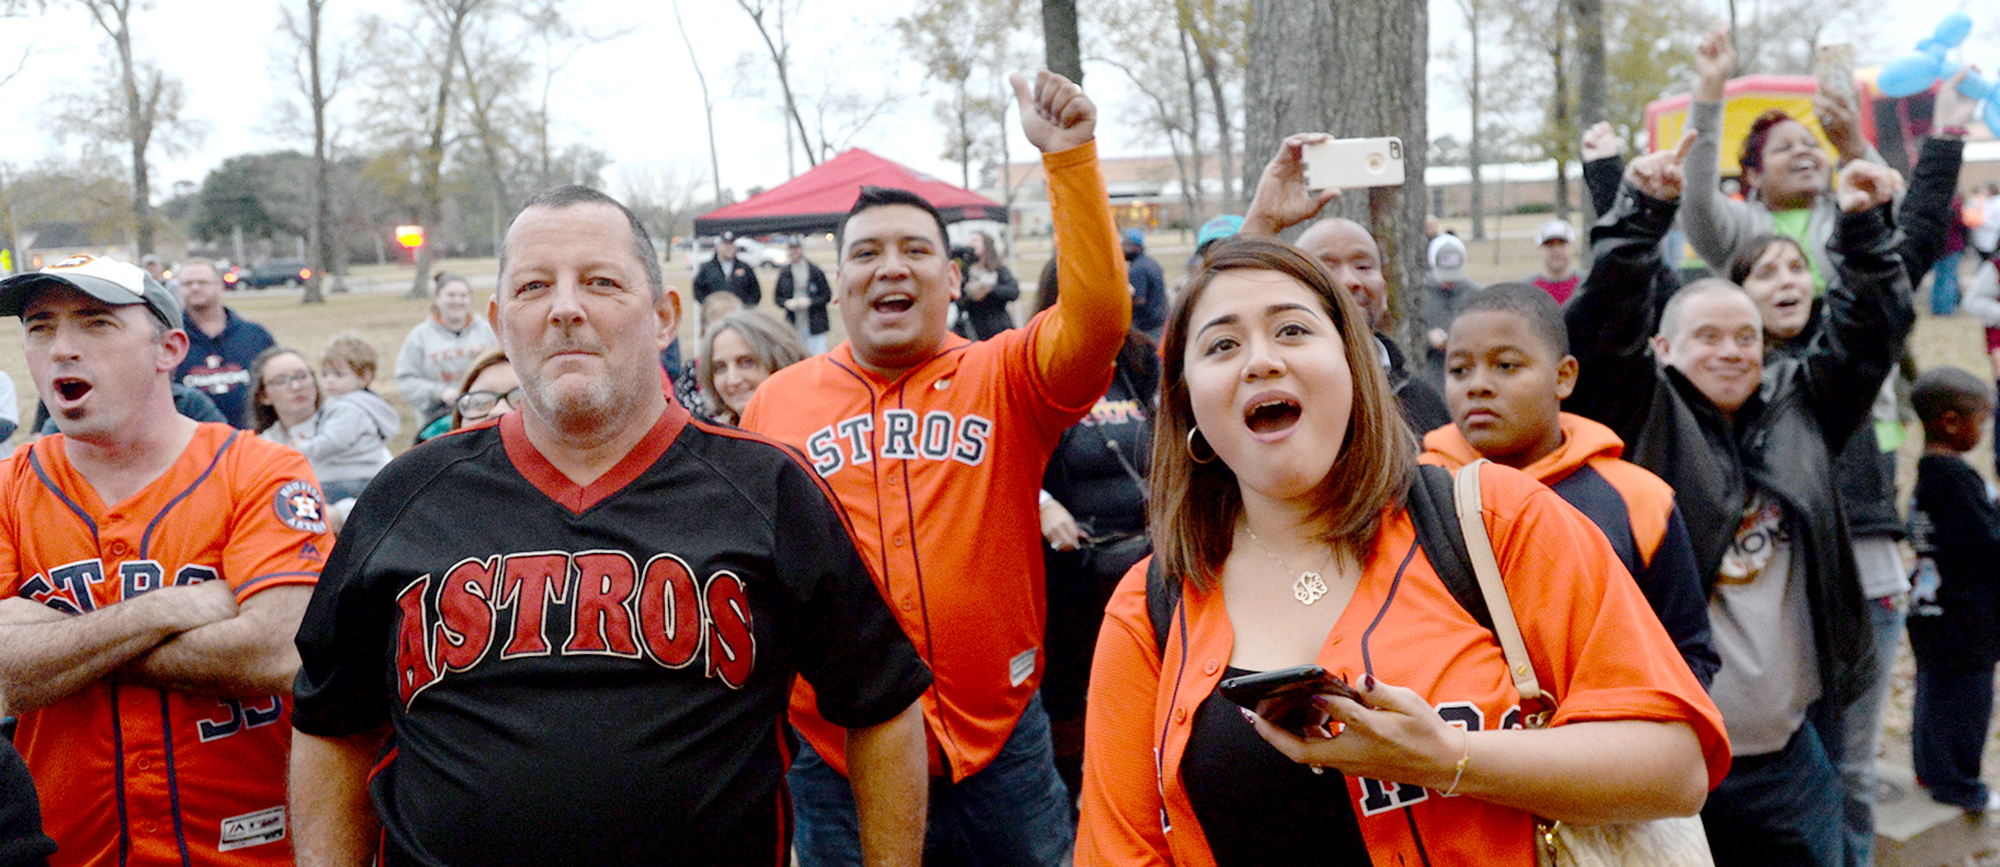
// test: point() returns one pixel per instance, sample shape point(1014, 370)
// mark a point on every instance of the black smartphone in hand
point(1283, 697)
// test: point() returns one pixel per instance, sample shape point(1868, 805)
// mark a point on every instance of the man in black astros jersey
point(568, 636)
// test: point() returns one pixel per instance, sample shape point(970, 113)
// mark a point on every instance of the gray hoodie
point(435, 357)
point(347, 440)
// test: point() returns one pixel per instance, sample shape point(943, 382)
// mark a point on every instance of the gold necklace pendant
point(1309, 588)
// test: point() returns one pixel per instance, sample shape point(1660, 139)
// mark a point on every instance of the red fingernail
point(1321, 701)
point(1368, 682)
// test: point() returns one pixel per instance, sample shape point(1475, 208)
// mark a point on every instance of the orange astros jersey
point(938, 471)
point(136, 775)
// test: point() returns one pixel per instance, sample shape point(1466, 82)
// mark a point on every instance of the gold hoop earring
point(1195, 432)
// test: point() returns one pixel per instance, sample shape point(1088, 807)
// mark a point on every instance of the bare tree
point(561, 39)
point(1214, 29)
point(956, 40)
point(666, 196)
point(413, 69)
point(318, 85)
point(494, 74)
point(780, 48)
point(142, 100)
point(707, 105)
point(1474, 10)
point(1374, 84)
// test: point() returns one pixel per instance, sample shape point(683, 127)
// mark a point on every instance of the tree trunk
point(139, 129)
point(1295, 84)
point(319, 244)
point(1560, 117)
point(781, 59)
point(707, 109)
point(1218, 100)
point(1065, 53)
point(1476, 150)
point(1194, 196)
point(1590, 86)
point(433, 155)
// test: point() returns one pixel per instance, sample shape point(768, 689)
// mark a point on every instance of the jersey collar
point(533, 466)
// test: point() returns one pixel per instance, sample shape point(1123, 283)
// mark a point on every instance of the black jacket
point(741, 279)
point(1423, 408)
point(988, 316)
point(1782, 441)
point(816, 289)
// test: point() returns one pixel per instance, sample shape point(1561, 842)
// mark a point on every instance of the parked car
point(749, 250)
point(284, 272)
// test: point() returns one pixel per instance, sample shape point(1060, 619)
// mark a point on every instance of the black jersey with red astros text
point(596, 674)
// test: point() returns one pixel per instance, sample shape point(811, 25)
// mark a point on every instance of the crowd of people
point(1617, 543)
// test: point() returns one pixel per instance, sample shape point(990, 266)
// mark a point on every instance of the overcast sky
point(636, 97)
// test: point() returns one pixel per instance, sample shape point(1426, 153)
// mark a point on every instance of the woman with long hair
point(1280, 470)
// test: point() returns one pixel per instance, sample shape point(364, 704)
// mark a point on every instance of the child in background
point(351, 431)
point(1507, 370)
point(1955, 603)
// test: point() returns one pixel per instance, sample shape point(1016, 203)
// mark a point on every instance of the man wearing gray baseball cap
point(153, 571)
point(115, 283)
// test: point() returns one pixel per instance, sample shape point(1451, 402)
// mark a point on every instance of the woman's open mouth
point(1272, 415)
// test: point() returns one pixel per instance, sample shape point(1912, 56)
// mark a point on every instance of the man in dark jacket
point(725, 271)
point(1354, 259)
point(1747, 447)
point(1149, 285)
point(804, 293)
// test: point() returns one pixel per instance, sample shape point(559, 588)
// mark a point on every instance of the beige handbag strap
point(1472, 522)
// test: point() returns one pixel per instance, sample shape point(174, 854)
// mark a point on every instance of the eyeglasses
point(303, 377)
point(479, 403)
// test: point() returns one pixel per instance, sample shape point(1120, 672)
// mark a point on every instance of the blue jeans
point(1948, 731)
point(1944, 284)
point(1014, 811)
point(1863, 722)
point(1778, 808)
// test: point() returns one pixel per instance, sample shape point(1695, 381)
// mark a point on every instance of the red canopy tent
point(817, 200)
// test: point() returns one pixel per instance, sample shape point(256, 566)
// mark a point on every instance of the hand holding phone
point(1353, 162)
point(1283, 697)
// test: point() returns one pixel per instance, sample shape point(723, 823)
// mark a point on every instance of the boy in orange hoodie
point(1507, 370)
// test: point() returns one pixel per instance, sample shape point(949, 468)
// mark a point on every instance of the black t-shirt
point(1091, 470)
point(632, 715)
point(1256, 806)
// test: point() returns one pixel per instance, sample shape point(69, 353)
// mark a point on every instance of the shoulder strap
point(1438, 533)
point(1472, 522)
point(1162, 597)
point(1443, 540)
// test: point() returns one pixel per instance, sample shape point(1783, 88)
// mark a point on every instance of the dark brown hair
point(1195, 506)
point(262, 413)
point(488, 359)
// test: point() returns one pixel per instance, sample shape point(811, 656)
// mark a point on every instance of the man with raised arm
point(936, 446)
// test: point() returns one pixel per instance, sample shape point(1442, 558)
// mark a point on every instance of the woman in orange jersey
point(1280, 470)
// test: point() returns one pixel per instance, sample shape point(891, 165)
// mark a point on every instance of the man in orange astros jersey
point(936, 446)
point(152, 574)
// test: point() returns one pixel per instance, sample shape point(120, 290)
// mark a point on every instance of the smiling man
point(152, 574)
point(580, 624)
point(1747, 442)
point(936, 446)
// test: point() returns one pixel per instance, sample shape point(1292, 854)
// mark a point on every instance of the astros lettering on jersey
point(132, 774)
point(938, 471)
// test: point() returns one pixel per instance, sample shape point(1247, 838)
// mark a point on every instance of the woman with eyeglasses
point(285, 395)
point(491, 390)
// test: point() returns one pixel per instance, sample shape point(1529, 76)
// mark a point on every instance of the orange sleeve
point(10, 559)
point(1120, 819)
point(273, 538)
point(1074, 349)
point(1596, 644)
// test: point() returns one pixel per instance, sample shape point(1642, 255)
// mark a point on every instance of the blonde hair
point(352, 350)
point(1195, 505)
point(775, 344)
